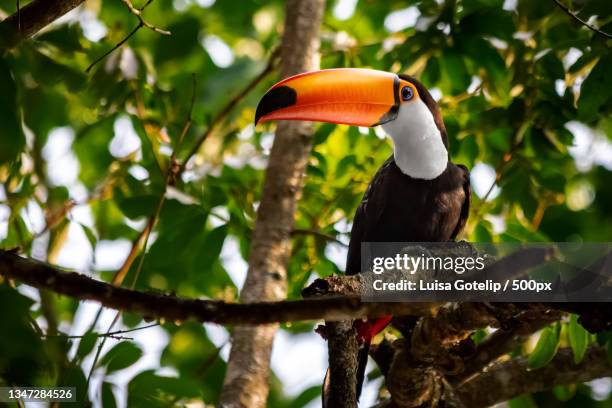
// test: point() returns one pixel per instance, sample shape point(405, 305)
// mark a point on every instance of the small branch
point(115, 335)
point(138, 13)
point(188, 120)
point(109, 335)
point(18, 16)
point(317, 233)
point(506, 380)
point(142, 23)
point(581, 21)
point(172, 308)
point(117, 46)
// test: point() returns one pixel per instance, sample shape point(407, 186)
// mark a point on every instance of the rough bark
point(246, 381)
point(343, 351)
point(503, 341)
point(31, 19)
point(173, 308)
point(510, 379)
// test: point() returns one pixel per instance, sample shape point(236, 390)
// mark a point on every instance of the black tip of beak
point(275, 99)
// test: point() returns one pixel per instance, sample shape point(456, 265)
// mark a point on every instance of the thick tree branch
point(340, 385)
point(503, 341)
point(32, 18)
point(509, 379)
point(173, 308)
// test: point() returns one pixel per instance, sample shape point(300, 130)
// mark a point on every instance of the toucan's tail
point(325, 390)
point(362, 362)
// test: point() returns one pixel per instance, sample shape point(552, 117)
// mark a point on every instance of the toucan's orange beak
point(350, 96)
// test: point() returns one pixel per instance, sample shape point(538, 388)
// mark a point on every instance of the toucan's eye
point(407, 93)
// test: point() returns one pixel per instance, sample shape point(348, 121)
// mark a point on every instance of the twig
point(142, 23)
point(188, 120)
point(137, 244)
point(118, 45)
point(116, 334)
point(201, 372)
point(18, 16)
point(67, 336)
point(317, 233)
point(499, 172)
point(272, 63)
point(581, 21)
point(99, 350)
point(138, 13)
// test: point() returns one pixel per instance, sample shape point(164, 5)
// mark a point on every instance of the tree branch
point(501, 342)
point(581, 21)
point(343, 346)
point(30, 19)
point(173, 308)
point(509, 379)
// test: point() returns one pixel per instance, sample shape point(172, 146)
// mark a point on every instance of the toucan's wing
point(465, 208)
point(366, 217)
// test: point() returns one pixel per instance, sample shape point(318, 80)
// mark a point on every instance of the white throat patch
point(417, 144)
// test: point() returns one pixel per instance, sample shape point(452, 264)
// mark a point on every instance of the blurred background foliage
point(526, 94)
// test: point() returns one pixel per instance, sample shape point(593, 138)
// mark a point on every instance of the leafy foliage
point(84, 159)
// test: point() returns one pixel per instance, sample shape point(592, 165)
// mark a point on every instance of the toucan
point(418, 194)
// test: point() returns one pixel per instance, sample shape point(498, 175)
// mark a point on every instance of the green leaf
point(21, 353)
point(66, 37)
point(123, 355)
point(500, 139)
point(108, 397)
point(578, 338)
point(307, 396)
point(86, 344)
point(595, 90)
point(73, 376)
point(546, 348)
point(91, 147)
point(91, 235)
point(524, 401)
point(564, 392)
point(455, 76)
point(138, 206)
point(151, 390)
